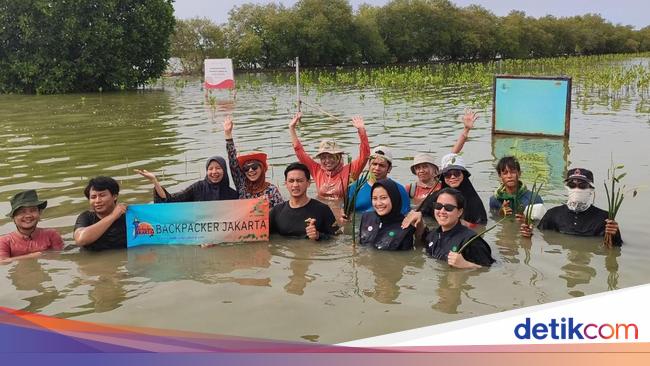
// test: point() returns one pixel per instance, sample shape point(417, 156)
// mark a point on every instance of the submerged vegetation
point(600, 79)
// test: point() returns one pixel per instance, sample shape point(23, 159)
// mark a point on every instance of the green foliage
point(196, 39)
point(329, 33)
point(82, 45)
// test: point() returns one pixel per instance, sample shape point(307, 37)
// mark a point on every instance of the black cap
point(584, 175)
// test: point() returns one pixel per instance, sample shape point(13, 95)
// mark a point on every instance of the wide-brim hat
point(423, 158)
point(328, 146)
point(28, 198)
point(255, 155)
point(382, 152)
point(582, 174)
point(453, 162)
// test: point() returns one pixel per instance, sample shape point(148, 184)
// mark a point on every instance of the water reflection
point(29, 275)
point(102, 277)
point(387, 269)
point(581, 266)
point(219, 264)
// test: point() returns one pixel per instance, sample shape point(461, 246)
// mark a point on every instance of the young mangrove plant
point(453, 249)
point(534, 193)
point(615, 195)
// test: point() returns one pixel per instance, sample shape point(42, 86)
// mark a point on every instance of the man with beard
point(578, 216)
point(28, 240)
point(104, 226)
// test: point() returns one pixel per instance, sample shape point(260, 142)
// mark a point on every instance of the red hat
point(255, 155)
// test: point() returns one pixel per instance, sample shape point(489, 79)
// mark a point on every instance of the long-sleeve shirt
point(331, 184)
point(271, 192)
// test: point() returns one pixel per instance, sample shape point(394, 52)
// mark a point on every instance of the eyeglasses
point(578, 184)
point(251, 166)
point(448, 207)
point(453, 173)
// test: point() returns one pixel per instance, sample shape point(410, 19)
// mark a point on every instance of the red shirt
point(16, 244)
point(331, 185)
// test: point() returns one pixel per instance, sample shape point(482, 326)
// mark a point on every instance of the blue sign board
point(531, 105)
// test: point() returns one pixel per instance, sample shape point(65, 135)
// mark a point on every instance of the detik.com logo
point(568, 328)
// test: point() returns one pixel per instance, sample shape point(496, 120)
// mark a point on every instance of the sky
point(626, 12)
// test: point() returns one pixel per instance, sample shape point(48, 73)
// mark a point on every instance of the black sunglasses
point(448, 207)
point(453, 173)
point(251, 166)
point(578, 184)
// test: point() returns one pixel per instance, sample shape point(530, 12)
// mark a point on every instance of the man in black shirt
point(301, 216)
point(578, 216)
point(103, 227)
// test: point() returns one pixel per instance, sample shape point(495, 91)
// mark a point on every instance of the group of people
point(442, 191)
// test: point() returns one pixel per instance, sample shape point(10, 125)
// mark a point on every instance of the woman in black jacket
point(446, 241)
point(381, 228)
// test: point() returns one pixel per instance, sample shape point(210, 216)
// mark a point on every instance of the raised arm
point(89, 234)
point(468, 121)
point(236, 172)
point(160, 191)
point(359, 163)
point(301, 154)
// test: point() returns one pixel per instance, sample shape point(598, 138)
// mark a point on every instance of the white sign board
point(219, 73)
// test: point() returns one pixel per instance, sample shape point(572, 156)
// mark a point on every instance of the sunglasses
point(453, 173)
point(448, 207)
point(251, 166)
point(578, 184)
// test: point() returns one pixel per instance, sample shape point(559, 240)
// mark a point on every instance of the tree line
point(329, 33)
point(51, 47)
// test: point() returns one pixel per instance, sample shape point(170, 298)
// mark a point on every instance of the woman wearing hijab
point(330, 174)
point(381, 227)
point(455, 175)
point(214, 187)
point(249, 171)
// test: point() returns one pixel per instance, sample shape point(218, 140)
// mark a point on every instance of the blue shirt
point(363, 202)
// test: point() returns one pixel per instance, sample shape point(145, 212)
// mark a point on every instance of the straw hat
point(423, 158)
point(328, 146)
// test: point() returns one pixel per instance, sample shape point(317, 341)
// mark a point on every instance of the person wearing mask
point(578, 216)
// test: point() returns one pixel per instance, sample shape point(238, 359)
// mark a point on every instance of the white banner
point(618, 316)
point(219, 73)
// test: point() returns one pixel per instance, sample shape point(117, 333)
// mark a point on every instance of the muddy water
point(294, 289)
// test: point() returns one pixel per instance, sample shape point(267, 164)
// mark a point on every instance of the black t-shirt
point(590, 222)
point(439, 243)
point(384, 236)
point(113, 238)
point(288, 221)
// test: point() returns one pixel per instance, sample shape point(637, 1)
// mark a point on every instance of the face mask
point(580, 199)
